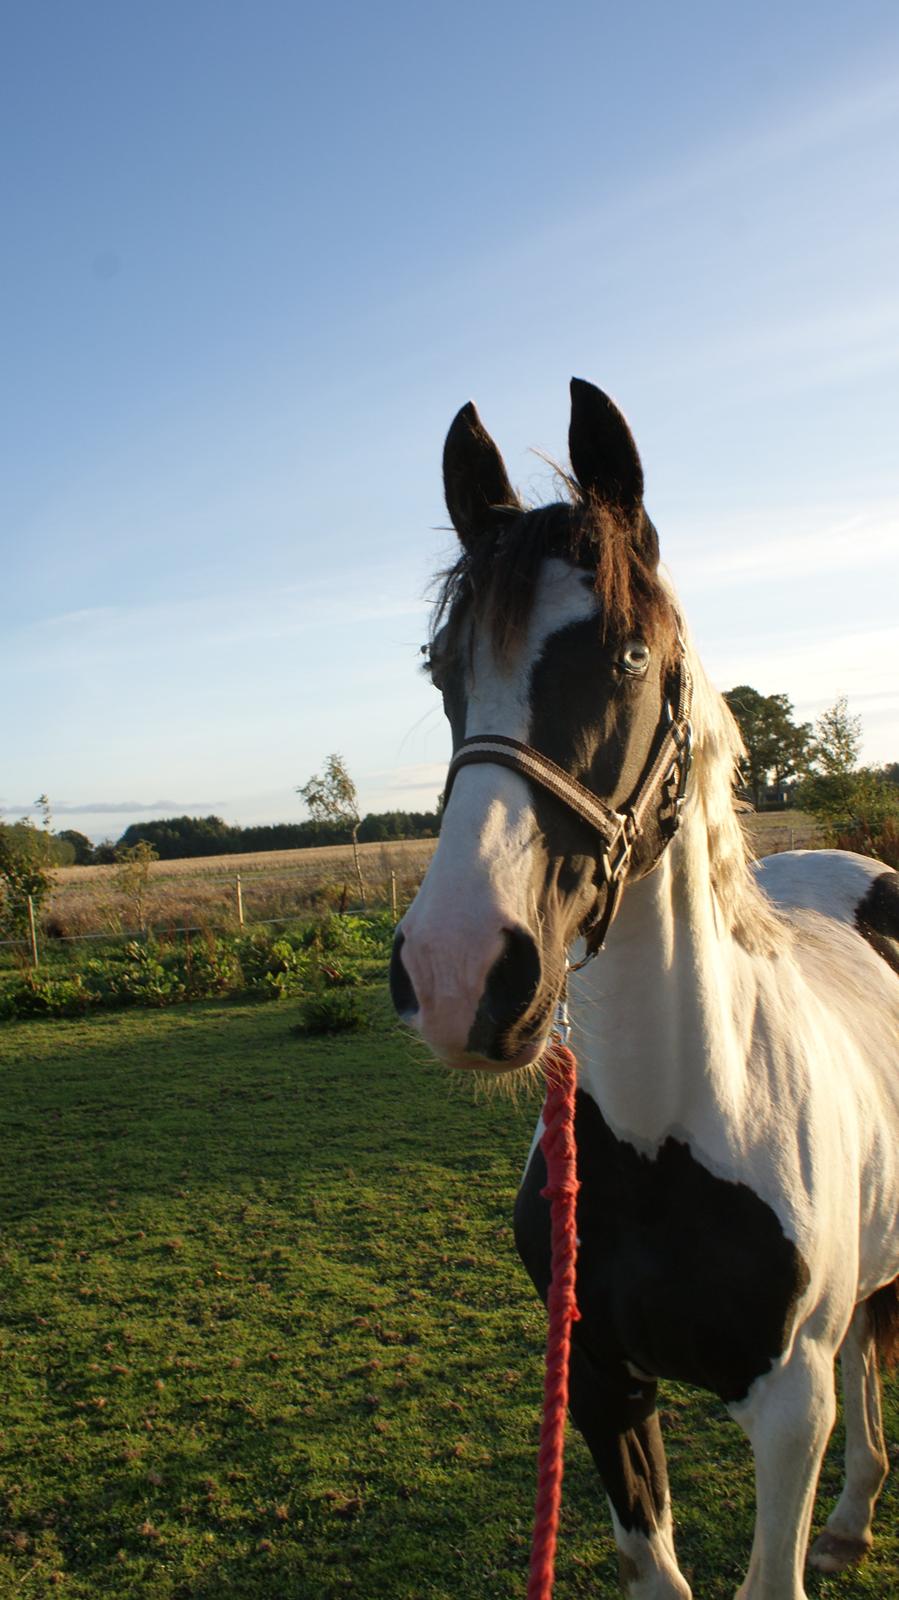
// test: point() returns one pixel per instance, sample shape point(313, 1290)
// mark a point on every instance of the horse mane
point(494, 578)
point(718, 750)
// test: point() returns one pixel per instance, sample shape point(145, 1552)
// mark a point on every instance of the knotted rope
point(559, 1150)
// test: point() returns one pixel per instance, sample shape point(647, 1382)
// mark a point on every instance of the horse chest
point(683, 1274)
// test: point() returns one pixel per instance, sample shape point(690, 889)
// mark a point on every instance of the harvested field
point(279, 884)
point(202, 891)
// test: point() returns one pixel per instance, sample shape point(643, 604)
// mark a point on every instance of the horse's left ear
point(606, 461)
point(602, 449)
point(478, 492)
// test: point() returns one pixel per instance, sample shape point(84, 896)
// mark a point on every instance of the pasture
point(200, 890)
point(264, 1333)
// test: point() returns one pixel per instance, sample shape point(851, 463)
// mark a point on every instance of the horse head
point(557, 653)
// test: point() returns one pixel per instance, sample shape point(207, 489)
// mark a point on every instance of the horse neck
point(662, 1016)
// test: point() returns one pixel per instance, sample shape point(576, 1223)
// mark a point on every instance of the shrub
point(331, 1011)
point(878, 839)
point(349, 935)
point(40, 995)
point(271, 968)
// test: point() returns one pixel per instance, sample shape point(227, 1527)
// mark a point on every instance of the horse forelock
point(493, 583)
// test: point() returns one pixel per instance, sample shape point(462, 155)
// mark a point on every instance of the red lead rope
point(558, 1146)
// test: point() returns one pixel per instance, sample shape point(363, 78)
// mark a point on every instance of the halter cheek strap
point(663, 784)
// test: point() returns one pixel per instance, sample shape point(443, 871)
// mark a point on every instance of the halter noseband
point(665, 777)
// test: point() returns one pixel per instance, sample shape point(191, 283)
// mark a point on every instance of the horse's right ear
point(479, 495)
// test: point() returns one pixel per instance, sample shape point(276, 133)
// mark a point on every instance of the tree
point(25, 860)
point(858, 807)
point(175, 837)
point(81, 844)
point(774, 743)
point(331, 797)
point(132, 877)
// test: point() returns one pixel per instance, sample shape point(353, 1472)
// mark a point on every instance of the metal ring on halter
point(562, 1022)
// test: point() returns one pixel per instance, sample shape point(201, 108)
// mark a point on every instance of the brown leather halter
point(664, 782)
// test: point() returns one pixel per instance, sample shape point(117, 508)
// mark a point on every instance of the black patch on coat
point(684, 1275)
point(604, 731)
point(877, 917)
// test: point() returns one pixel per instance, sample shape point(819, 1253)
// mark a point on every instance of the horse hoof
point(832, 1553)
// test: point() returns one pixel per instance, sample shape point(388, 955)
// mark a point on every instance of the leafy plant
point(41, 994)
point(332, 1011)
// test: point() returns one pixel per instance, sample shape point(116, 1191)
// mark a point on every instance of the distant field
point(772, 831)
point(275, 884)
point(279, 884)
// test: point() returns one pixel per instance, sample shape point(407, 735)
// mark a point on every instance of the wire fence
point(96, 905)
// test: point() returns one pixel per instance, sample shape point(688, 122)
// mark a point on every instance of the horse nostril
point(512, 984)
point(401, 990)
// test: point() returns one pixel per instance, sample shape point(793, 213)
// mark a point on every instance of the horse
point(737, 1103)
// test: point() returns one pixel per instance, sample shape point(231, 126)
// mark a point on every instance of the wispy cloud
point(814, 672)
point(121, 808)
point(264, 614)
point(788, 542)
point(421, 779)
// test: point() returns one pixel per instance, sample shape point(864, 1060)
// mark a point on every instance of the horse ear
point(478, 492)
point(603, 454)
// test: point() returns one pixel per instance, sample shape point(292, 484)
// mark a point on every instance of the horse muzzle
point(484, 1014)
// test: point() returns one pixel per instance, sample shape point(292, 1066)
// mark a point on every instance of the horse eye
point(430, 665)
point(635, 657)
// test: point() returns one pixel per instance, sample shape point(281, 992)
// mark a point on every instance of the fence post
point(32, 930)
point(393, 897)
point(239, 902)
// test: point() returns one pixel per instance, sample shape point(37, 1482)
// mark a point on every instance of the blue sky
point(254, 257)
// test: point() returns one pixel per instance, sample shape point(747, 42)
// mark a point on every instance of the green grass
point(264, 1334)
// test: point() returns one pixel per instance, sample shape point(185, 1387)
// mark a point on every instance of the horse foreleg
point(788, 1417)
point(847, 1535)
point(616, 1413)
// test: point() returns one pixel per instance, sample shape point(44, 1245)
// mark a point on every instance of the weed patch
point(316, 955)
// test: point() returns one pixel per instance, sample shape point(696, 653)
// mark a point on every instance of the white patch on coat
point(833, 882)
point(647, 1563)
point(480, 880)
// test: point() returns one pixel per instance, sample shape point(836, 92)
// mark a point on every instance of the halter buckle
point(616, 857)
point(683, 734)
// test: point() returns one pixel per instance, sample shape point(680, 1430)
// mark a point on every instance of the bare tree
point(331, 797)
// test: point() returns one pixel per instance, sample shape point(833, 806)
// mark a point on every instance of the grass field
point(264, 1335)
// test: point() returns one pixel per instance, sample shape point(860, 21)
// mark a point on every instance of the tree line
point(174, 838)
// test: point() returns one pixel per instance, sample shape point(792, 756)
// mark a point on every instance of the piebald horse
point(738, 1039)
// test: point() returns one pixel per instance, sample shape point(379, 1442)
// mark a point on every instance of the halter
point(664, 780)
